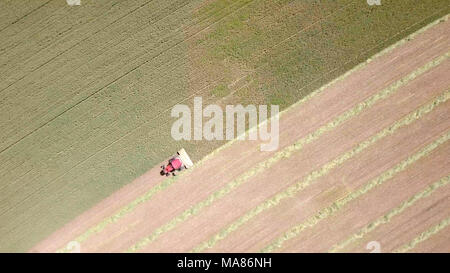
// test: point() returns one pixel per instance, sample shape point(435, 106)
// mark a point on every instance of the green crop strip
point(385, 219)
point(297, 146)
point(339, 204)
point(424, 236)
point(325, 169)
point(165, 184)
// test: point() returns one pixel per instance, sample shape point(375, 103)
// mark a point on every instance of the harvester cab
point(177, 163)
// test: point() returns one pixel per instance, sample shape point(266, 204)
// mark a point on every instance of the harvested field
point(362, 159)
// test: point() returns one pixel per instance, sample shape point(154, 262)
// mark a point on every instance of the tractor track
point(129, 228)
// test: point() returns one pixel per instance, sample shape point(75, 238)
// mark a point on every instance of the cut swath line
point(246, 3)
point(325, 169)
point(385, 219)
point(288, 151)
point(130, 207)
point(424, 236)
point(339, 204)
point(24, 16)
point(316, 92)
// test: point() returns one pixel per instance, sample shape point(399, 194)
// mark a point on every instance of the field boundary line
point(339, 204)
point(247, 2)
point(385, 219)
point(125, 210)
point(322, 171)
point(112, 82)
point(26, 15)
point(120, 138)
point(424, 236)
point(130, 207)
point(91, 35)
point(288, 151)
point(327, 85)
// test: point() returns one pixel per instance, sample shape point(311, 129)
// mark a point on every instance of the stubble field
point(86, 91)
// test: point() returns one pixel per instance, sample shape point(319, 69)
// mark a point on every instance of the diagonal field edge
point(339, 204)
point(23, 16)
point(385, 219)
point(165, 184)
point(287, 152)
point(115, 141)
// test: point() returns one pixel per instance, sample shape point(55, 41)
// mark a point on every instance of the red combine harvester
point(177, 163)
